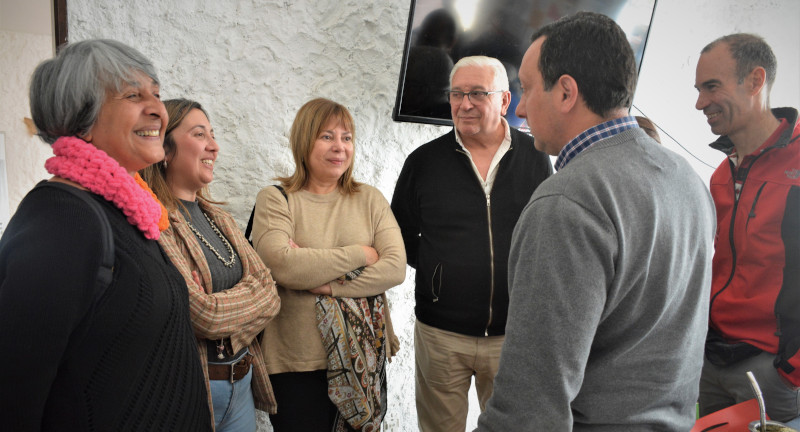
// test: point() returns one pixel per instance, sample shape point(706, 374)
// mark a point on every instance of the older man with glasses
point(457, 201)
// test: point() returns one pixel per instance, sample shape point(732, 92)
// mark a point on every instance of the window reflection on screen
point(443, 31)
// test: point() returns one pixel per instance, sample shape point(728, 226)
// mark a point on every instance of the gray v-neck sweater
point(609, 280)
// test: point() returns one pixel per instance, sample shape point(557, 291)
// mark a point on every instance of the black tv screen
point(440, 32)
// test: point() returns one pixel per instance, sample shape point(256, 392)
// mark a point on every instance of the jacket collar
point(725, 145)
point(510, 132)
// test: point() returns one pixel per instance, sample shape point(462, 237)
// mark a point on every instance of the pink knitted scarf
point(94, 169)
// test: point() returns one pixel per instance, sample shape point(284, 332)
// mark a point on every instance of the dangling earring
point(165, 164)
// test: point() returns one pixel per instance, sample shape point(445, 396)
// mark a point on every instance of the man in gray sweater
point(610, 263)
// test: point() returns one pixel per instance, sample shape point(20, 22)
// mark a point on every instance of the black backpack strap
point(106, 270)
point(283, 192)
point(249, 229)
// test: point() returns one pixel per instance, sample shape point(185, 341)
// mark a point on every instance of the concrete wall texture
point(253, 63)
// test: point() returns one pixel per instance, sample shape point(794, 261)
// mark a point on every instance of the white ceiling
point(26, 16)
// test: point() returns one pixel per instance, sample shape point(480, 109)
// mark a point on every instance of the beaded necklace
point(232, 259)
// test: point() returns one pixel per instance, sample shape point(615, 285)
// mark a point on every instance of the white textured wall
point(25, 155)
point(254, 63)
point(680, 30)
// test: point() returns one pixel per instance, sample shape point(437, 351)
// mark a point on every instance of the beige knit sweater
point(330, 230)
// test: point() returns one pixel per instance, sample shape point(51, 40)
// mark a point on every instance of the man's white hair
point(500, 81)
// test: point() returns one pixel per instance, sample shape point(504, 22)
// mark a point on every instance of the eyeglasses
point(474, 96)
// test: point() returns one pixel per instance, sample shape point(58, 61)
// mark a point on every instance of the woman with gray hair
point(96, 317)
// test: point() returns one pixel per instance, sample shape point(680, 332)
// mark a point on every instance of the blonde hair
point(649, 127)
point(156, 175)
point(312, 117)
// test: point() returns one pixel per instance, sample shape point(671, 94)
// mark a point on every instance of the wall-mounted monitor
point(440, 32)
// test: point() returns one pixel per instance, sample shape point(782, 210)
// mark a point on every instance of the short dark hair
point(749, 51)
point(592, 49)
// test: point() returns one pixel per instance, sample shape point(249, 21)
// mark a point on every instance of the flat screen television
point(440, 32)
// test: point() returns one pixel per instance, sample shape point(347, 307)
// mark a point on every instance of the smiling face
point(726, 103)
point(130, 125)
point(481, 119)
point(191, 167)
point(330, 157)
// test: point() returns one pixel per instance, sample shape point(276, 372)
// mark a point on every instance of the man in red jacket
point(754, 322)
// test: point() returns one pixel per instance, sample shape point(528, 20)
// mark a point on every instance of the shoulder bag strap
point(105, 272)
point(249, 228)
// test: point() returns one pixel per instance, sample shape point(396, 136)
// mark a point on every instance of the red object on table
point(732, 419)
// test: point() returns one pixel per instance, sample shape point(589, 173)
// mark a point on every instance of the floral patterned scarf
point(353, 333)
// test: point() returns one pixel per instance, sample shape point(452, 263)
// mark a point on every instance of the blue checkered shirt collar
point(591, 136)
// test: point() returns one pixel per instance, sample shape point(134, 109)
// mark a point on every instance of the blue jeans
point(234, 408)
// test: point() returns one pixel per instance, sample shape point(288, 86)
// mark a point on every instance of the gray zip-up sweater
point(609, 279)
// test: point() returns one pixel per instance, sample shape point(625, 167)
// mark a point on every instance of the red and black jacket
point(755, 291)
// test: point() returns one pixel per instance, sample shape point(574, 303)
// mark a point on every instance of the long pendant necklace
point(227, 263)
